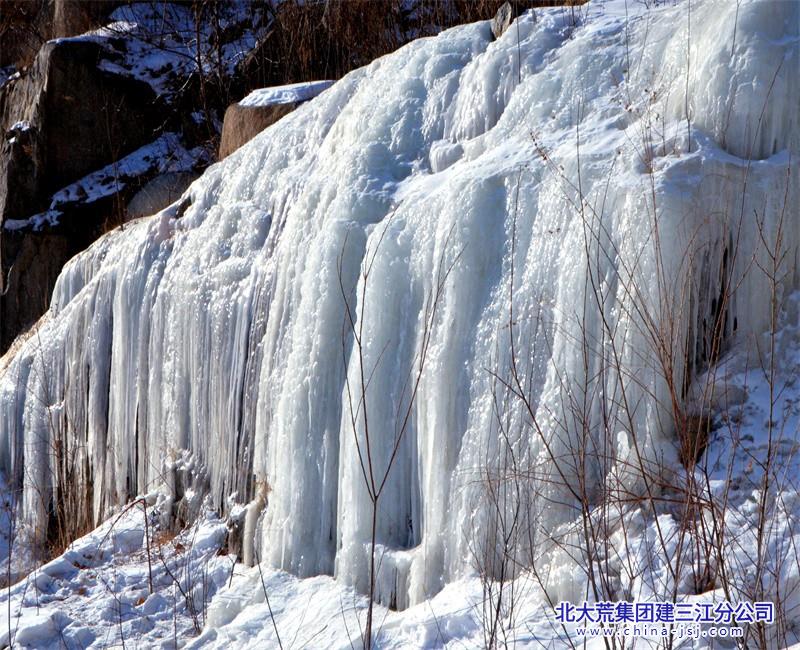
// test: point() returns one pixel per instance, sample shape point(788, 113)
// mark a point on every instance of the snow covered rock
point(262, 108)
point(243, 123)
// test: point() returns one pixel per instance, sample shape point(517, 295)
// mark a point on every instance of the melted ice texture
point(220, 331)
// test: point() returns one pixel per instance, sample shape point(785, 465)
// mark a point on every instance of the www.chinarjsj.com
point(682, 631)
point(686, 620)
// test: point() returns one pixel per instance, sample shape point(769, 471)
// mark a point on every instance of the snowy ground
point(107, 590)
point(97, 595)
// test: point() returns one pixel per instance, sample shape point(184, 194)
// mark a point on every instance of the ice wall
point(582, 216)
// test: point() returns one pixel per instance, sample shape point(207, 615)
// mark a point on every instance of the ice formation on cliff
point(203, 346)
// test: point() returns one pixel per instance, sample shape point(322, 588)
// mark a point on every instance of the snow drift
point(202, 350)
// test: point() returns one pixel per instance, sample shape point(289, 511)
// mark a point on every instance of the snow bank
point(103, 592)
point(557, 161)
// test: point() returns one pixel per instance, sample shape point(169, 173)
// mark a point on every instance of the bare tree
point(376, 470)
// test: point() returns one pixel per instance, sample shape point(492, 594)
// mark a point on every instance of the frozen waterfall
point(583, 178)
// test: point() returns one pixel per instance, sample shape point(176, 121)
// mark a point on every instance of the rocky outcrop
point(71, 17)
point(38, 258)
point(502, 19)
point(262, 108)
point(243, 123)
point(506, 14)
point(25, 25)
point(76, 118)
point(60, 120)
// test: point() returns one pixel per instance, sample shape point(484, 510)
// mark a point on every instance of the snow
point(200, 352)
point(288, 94)
point(318, 612)
point(97, 593)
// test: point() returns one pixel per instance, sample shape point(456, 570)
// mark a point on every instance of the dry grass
point(327, 40)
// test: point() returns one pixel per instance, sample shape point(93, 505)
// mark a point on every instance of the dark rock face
point(32, 260)
point(61, 120)
point(19, 172)
point(25, 25)
point(38, 258)
point(243, 123)
point(78, 118)
point(72, 17)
